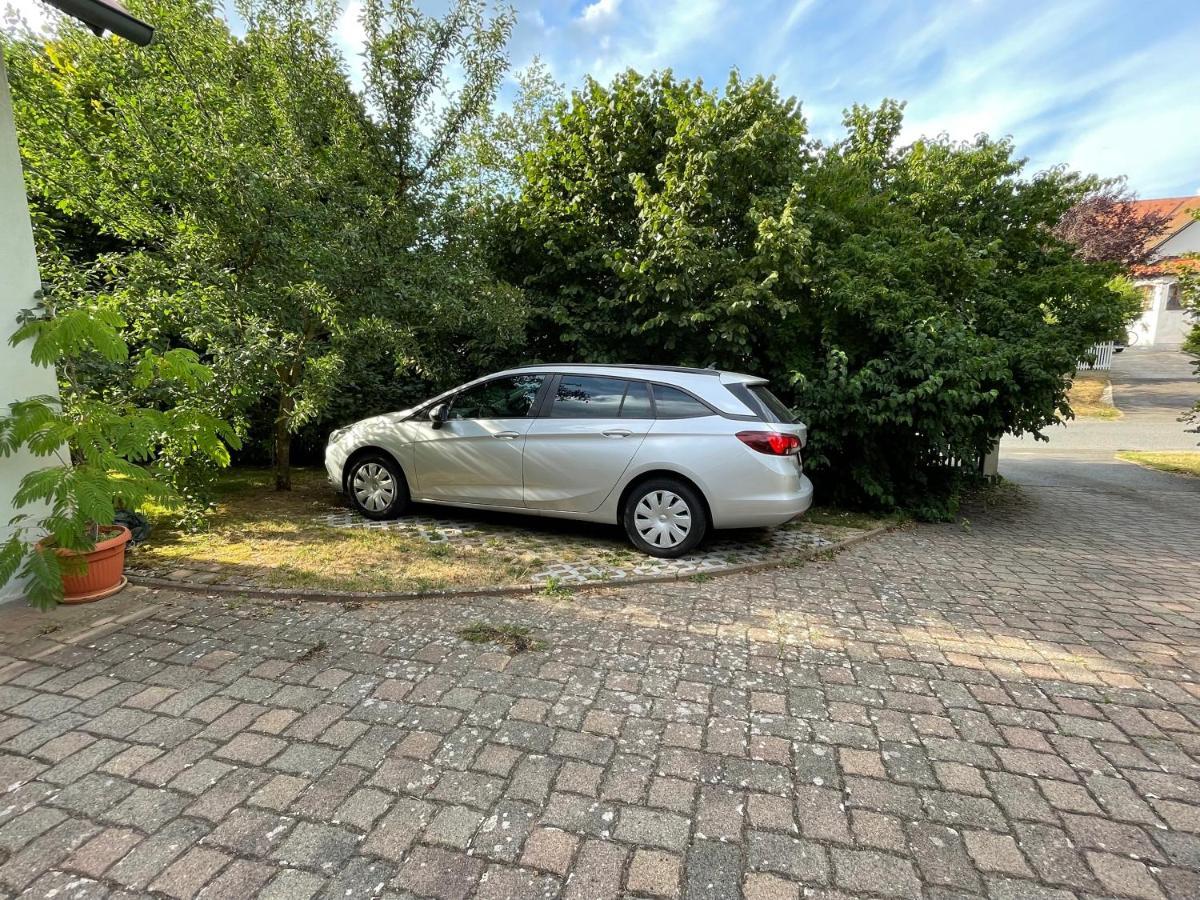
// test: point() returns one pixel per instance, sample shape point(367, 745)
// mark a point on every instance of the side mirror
point(439, 414)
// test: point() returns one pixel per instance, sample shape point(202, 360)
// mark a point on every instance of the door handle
point(506, 435)
point(617, 433)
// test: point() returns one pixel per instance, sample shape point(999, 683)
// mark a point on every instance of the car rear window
point(672, 403)
point(766, 405)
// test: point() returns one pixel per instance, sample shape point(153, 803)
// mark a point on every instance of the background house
point(1163, 320)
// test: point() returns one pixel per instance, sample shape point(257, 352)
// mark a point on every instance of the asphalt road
point(1153, 387)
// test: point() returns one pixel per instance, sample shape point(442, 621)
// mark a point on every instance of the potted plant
point(101, 446)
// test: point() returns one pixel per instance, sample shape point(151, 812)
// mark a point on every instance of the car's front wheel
point(376, 487)
point(665, 517)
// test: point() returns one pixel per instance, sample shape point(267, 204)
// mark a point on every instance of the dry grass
point(1177, 462)
point(271, 537)
point(1090, 397)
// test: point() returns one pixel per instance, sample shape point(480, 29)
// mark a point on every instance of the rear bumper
point(763, 510)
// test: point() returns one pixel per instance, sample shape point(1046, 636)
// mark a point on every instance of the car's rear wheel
point(665, 517)
point(376, 486)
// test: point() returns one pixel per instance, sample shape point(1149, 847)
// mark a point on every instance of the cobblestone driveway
point(1010, 710)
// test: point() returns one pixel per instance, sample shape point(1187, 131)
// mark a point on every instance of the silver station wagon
point(667, 453)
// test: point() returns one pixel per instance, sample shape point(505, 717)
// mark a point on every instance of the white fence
point(1104, 357)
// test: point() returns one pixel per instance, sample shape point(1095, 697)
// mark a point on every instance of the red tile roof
point(1168, 266)
point(1180, 211)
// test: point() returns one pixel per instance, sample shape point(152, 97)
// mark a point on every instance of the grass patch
point(845, 518)
point(1090, 397)
point(516, 638)
point(556, 587)
point(270, 537)
point(1177, 462)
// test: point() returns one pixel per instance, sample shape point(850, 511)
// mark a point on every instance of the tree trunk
point(283, 445)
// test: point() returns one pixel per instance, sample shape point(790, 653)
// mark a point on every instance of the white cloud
point(600, 12)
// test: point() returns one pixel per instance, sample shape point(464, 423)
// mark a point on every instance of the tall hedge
point(909, 300)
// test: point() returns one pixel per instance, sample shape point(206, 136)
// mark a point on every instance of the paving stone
point(655, 873)
point(241, 878)
point(187, 875)
point(597, 871)
point(252, 749)
point(293, 884)
point(508, 883)
point(249, 832)
point(95, 856)
point(769, 887)
point(1053, 856)
point(714, 870)
point(652, 828)
point(322, 848)
point(434, 872)
point(869, 871)
point(996, 853)
point(1123, 876)
point(453, 826)
point(551, 849)
point(798, 859)
point(395, 833)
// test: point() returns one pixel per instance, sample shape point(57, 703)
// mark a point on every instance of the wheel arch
point(642, 477)
point(372, 450)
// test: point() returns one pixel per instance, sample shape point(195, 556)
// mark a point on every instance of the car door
point(577, 450)
point(475, 456)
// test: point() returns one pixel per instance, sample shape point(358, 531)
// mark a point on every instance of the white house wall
point(19, 378)
point(1185, 240)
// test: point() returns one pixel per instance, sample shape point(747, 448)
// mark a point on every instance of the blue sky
point(1105, 86)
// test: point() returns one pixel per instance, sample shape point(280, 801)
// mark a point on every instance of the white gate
point(1104, 356)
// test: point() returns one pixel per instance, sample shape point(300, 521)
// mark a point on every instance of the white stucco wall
point(1185, 240)
point(19, 283)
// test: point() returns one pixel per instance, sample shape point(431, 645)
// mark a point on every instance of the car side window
point(500, 398)
point(587, 397)
point(672, 403)
point(636, 404)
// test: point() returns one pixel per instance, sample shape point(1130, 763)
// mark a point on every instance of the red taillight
point(773, 443)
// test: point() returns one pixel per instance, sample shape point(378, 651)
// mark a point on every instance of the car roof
point(644, 370)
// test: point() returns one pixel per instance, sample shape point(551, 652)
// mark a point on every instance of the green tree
point(264, 216)
point(911, 301)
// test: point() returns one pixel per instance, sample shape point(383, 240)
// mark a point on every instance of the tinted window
point(501, 398)
point(587, 397)
point(672, 403)
point(637, 402)
point(776, 409)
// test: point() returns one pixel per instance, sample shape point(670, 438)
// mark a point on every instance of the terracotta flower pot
point(103, 572)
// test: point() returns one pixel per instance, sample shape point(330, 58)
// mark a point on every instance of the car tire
point(376, 486)
point(655, 513)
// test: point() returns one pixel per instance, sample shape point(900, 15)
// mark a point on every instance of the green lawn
point(1177, 462)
